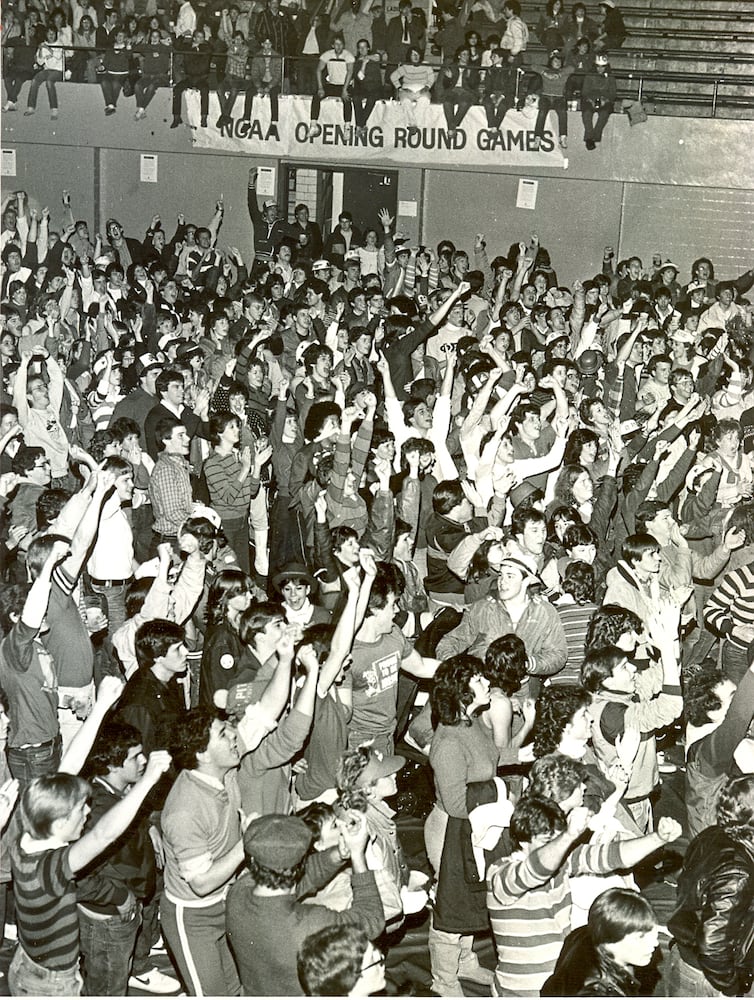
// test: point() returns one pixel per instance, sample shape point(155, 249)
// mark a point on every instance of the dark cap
point(380, 766)
point(292, 571)
point(277, 842)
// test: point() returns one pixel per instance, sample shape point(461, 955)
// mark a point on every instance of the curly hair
point(320, 638)
point(556, 707)
point(505, 663)
point(352, 765)
point(451, 692)
point(735, 809)
point(534, 816)
point(578, 581)
point(556, 776)
point(699, 696)
point(576, 441)
point(609, 623)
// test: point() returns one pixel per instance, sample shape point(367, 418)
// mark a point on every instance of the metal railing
point(705, 90)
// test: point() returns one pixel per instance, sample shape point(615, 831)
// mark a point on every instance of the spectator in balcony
point(581, 62)
point(516, 36)
point(334, 71)
point(402, 31)
point(266, 81)
point(555, 78)
point(552, 26)
point(413, 81)
point(460, 87)
point(598, 96)
point(612, 31)
point(106, 30)
point(579, 26)
point(354, 21)
point(499, 89)
point(367, 85)
point(313, 36)
point(84, 8)
point(155, 70)
point(49, 63)
point(234, 81)
point(113, 70)
point(84, 61)
point(274, 23)
point(185, 24)
point(64, 31)
point(18, 64)
point(196, 60)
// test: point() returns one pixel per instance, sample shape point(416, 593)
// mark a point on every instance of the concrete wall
point(685, 183)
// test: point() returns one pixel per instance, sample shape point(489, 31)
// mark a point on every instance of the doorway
point(327, 191)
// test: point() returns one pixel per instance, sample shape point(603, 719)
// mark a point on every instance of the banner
point(387, 137)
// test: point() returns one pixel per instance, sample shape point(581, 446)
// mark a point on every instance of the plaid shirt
point(170, 493)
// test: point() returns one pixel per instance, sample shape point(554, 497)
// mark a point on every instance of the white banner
point(387, 137)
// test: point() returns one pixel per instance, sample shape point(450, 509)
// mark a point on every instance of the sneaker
point(10, 932)
point(54, 113)
point(29, 111)
point(154, 981)
point(176, 122)
point(10, 106)
point(564, 142)
point(158, 948)
point(590, 144)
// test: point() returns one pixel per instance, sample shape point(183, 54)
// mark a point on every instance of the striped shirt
point(530, 913)
point(575, 620)
point(229, 497)
point(731, 604)
point(45, 895)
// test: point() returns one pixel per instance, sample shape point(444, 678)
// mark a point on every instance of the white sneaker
point(154, 981)
point(11, 932)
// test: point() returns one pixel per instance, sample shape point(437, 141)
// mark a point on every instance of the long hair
point(451, 693)
point(227, 584)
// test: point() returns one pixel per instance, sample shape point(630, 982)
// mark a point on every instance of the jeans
point(34, 762)
point(683, 980)
point(227, 92)
point(251, 93)
point(27, 979)
point(331, 90)
point(116, 605)
point(107, 948)
point(456, 102)
point(191, 83)
point(14, 82)
point(735, 661)
point(593, 129)
point(111, 88)
point(48, 77)
point(236, 531)
point(363, 105)
point(145, 88)
point(556, 104)
point(496, 111)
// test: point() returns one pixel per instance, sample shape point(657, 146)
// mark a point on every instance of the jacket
point(580, 972)
point(714, 916)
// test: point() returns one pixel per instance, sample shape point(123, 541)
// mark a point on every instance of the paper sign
point(9, 163)
point(266, 182)
point(148, 168)
point(407, 209)
point(527, 193)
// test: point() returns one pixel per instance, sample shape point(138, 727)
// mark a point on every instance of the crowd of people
point(265, 520)
point(476, 54)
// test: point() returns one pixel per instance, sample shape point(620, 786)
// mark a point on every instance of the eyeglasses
point(377, 961)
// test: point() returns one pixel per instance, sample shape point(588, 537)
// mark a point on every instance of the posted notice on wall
point(8, 163)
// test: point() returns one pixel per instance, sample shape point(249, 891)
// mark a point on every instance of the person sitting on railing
point(499, 89)
point(113, 70)
point(555, 78)
point(196, 60)
point(155, 70)
point(598, 96)
point(334, 71)
point(234, 81)
point(413, 81)
point(266, 80)
point(18, 64)
point(612, 30)
point(82, 64)
point(49, 62)
point(367, 84)
point(581, 62)
point(460, 86)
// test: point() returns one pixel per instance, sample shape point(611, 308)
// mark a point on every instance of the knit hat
point(277, 842)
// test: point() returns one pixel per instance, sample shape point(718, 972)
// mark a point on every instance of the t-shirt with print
point(373, 678)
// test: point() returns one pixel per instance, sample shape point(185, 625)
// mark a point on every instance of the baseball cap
point(380, 766)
